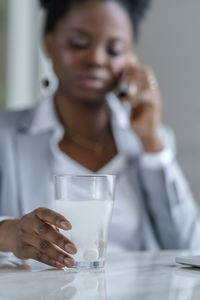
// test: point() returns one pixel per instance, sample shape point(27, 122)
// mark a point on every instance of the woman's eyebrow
point(117, 39)
point(79, 30)
point(89, 34)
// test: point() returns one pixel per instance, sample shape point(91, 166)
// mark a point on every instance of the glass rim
point(85, 175)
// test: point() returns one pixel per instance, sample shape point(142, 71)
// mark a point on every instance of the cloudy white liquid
point(90, 221)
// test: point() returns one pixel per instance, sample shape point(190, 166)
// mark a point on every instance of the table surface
point(139, 275)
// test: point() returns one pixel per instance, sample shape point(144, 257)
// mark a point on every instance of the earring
point(47, 74)
point(46, 82)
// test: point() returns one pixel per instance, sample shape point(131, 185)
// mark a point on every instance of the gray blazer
point(169, 215)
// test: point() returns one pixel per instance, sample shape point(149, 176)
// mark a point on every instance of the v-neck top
point(125, 219)
point(124, 227)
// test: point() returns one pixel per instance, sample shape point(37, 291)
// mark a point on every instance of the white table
point(132, 276)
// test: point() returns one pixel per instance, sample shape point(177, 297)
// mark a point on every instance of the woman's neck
point(89, 120)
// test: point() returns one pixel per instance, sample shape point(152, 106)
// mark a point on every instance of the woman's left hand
point(145, 99)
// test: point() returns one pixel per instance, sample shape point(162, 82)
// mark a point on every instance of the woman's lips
point(91, 82)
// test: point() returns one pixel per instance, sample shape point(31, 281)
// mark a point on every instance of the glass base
point(85, 265)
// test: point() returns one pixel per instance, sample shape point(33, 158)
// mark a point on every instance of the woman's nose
point(97, 56)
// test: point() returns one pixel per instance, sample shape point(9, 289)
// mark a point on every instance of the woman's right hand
point(36, 236)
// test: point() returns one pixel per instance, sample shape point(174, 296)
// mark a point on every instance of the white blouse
point(125, 218)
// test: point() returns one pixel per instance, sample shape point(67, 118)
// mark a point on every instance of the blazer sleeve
point(7, 124)
point(173, 212)
point(2, 218)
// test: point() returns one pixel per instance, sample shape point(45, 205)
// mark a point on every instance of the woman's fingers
point(46, 252)
point(47, 232)
point(137, 80)
point(140, 88)
point(52, 217)
point(148, 97)
point(38, 237)
point(33, 253)
point(143, 88)
point(147, 100)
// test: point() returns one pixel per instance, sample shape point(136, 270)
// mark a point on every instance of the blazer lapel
point(127, 141)
point(35, 169)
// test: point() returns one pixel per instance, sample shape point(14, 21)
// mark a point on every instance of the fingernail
point(61, 258)
point(69, 262)
point(59, 265)
point(70, 248)
point(65, 225)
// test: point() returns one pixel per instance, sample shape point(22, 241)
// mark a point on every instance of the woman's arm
point(7, 234)
point(169, 200)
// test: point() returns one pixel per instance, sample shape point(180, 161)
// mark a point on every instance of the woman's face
point(89, 49)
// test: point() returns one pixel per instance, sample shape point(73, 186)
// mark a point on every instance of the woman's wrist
point(7, 234)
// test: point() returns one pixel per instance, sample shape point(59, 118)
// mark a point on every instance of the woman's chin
point(91, 96)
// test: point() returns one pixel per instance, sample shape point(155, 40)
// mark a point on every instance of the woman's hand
point(36, 235)
point(145, 99)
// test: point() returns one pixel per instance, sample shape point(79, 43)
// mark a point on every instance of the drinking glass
point(87, 202)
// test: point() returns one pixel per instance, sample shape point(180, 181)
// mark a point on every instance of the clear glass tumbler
point(87, 202)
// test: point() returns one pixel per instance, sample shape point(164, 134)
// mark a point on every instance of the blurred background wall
point(169, 42)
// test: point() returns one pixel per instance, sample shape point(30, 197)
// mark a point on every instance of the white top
point(124, 228)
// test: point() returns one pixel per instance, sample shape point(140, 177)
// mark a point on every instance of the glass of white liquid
point(87, 202)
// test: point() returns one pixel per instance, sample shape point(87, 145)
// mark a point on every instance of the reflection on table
point(139, 276)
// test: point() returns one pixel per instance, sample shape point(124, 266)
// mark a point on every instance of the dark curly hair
point(56, 9)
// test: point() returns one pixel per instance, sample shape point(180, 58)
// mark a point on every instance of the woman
point(83, 128)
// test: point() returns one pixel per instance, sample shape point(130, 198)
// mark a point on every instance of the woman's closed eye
point(116, 48)
point(79, 42)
